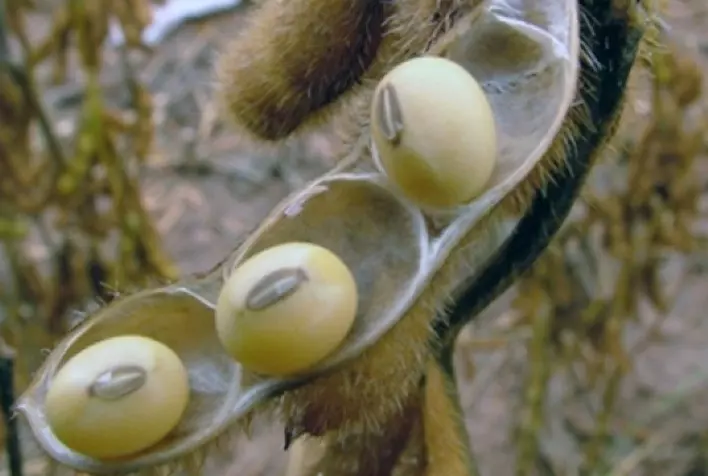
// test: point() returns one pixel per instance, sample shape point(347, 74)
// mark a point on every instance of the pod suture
point(552, 119)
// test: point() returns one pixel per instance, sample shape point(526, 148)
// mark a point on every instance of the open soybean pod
point(552, 108)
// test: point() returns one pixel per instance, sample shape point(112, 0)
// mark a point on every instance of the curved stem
point(447, 448)
point(613, 42)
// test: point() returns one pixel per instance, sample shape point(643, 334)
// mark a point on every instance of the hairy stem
point(614, 43)
point(447, 447)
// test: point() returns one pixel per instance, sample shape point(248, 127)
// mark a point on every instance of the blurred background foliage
point(116, 172)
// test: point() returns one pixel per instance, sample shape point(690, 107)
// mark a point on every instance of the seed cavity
point(390, 115)
point(118, 382)
point(275, 287)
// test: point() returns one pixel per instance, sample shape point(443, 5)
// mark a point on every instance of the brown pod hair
point(295, 62)
point(294, 58)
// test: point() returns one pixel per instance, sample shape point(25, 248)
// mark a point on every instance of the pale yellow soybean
point(286, 308)
point(117, 397)
point(434, 131)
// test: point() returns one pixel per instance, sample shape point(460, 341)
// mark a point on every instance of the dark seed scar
point(390, 114)
point(275, 287)
point(118, 382)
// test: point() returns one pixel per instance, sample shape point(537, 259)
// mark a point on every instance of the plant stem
point(23, 80)
point(614, 42)
point(7, 400)
point(4, 47)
